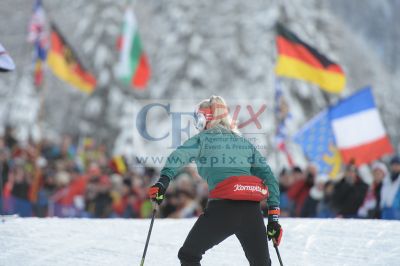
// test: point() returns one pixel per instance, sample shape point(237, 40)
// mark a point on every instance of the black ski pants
point(221, 219)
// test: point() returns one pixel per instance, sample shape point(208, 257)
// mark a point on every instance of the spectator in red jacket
point(300, 190)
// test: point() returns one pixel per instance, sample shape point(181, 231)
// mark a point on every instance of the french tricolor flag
point(358, 129)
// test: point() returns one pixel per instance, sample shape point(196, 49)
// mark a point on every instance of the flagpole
point(42, 90)
point(276, 128)
point(283, 18)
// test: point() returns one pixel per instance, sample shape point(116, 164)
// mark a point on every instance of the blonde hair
point(220, 113)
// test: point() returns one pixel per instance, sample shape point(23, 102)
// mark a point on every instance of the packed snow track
point(118, 242)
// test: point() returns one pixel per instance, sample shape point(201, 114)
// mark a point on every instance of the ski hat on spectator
point(381, 166)
point(104, 180)
point(116, 180)
point(317, 190)
point(62, 178)
point(395, 160)
point(297, 169)
point(351, 167)
point(94, 170)
point(322, 178)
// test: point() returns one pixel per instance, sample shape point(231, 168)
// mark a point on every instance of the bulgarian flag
point(133, 67)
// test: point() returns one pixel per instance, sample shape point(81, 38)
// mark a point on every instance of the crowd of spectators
point(82, 180)
point(307, 194)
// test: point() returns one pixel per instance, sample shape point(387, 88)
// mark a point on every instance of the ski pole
point(148, 236)
point(278, 254)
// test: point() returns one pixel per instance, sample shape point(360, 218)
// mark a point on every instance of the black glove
point(274, 229)
point(157, 191)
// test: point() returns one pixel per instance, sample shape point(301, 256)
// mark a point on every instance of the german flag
point(65, 64)
point(298, 60)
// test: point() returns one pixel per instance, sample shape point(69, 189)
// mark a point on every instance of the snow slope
point(120, 242)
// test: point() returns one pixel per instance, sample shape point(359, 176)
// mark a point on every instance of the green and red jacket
point(228, 162)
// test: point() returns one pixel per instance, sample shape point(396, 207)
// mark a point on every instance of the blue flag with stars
point(318, 143)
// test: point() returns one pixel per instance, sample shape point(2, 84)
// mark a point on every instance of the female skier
point(238, 179)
